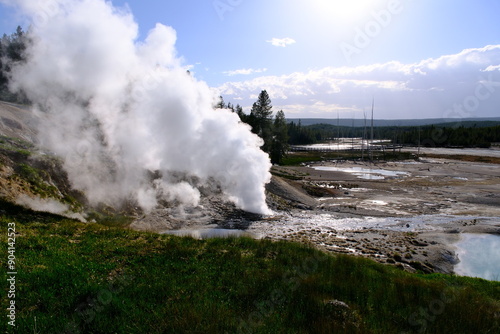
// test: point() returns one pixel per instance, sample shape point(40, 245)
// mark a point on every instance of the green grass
point(32, 172)
point(21, 147)
point(110, 220)
point(36, 178)
point(89, 278)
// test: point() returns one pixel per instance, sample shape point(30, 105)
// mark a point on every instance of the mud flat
point(409, 213)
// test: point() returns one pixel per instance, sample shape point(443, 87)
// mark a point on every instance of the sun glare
point(345, 11)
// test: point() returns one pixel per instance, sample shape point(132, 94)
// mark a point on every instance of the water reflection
point(479, 256)
point(364, 173)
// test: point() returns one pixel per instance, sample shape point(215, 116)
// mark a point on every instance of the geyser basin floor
point(412, 221)
point(419, 242)
point(431, 186)
point(422, 215)
point(364, 173)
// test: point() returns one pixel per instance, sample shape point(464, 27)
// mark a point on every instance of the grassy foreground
point(89, 278)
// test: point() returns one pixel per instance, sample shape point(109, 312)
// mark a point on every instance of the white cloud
point(317, 109)
point(245, 71)
point(492, 68)
point(282, 42)
point(466, 84)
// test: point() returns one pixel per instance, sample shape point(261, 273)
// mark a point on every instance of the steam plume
point(48, 205)
point(114, 108)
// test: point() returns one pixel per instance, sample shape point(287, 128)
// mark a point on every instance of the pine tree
point(239, 111)
point(220, 104)
point(263, 108)
point(261, 118)
point(17, 46)
point(12, 51)
point(279, 145)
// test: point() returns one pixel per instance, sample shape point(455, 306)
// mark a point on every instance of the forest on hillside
point(458, 134)
point(12, 52)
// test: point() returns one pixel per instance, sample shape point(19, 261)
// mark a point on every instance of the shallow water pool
point(364, 173)
point(479, 256)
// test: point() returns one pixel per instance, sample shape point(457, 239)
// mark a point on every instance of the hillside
point(28, 175)
point(17, 121)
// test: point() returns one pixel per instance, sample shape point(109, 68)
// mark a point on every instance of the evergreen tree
point(260, 119)
point(279, 146)
point(273, 132)
point(262, 110)
point(239, 111)
point(221, 104)
point(3, 76)
point(12, 51)
point(301, 135)
point(17, 46)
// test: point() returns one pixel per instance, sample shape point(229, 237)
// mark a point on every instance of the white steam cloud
point(115, 108)
point(48, 205)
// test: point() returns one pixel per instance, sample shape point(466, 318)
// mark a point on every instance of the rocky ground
point(410, 218)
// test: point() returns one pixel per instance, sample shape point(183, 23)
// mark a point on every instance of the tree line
point(12, 52)
point(458, 134)
point(276, 132)
point(461, 136)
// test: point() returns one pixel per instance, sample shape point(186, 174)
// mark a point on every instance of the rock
point(336, 304)
point(341, 315)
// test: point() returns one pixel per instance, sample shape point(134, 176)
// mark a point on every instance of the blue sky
point(320, 58)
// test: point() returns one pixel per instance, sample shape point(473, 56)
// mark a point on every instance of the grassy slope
point(89, 278)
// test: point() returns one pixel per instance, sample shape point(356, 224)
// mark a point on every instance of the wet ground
point(409, 214)
point(432, 186)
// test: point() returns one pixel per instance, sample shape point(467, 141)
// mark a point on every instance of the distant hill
point(467, 122)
